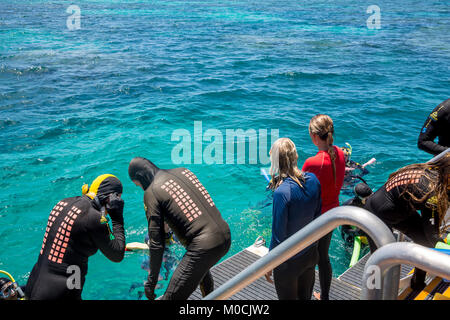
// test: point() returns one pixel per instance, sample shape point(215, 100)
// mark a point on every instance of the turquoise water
point(75, 104)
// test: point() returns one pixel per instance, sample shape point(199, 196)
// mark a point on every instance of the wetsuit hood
point(142, 170)
point(103, 186)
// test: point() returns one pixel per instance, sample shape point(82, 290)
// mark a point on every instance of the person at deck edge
point(77, 227)
point(296, 202)
point(423, 187)
point(329, 167)
point(177, 197)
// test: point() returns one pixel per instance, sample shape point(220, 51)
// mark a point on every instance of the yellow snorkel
point(92, 191)
point(8, 275)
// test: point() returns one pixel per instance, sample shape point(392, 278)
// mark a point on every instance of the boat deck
point(346, 287)
point(263, 290)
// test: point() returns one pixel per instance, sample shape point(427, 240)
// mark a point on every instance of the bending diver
point(77, 227)
point(423, 187)
point(178, 198)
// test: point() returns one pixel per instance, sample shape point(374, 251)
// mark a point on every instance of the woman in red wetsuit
point(329, 167)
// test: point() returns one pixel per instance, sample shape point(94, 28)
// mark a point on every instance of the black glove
point(149, 292)
point(114, 206)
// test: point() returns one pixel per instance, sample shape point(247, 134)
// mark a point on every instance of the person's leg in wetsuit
point(207, 284)
point(294, 279)
point(325, 270)
point(192, 271)
point(413, 227)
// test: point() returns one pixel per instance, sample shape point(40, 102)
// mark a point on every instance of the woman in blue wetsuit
point(296, 202)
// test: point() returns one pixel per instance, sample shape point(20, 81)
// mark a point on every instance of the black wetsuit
point(361, 192)
point(75, 231)
point(348, 232)
point(394, 209)
point(436, 125)
point(395, 212)
point(179, 199)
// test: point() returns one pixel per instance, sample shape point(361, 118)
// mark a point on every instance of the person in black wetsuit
point(361, 191)
point(10, 290)
point(77, 227)
point(436, 125)
point(417, 187)
point(178, 198)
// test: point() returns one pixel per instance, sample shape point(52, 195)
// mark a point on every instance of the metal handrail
point(326, 223)
point(394, 254)
point(440, 155)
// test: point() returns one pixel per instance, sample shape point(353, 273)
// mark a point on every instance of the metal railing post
point(394, 254)
point(326, 223)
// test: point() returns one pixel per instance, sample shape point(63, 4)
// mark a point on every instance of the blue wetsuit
point(293, 208)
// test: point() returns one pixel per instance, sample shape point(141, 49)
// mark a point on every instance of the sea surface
point(78, 103)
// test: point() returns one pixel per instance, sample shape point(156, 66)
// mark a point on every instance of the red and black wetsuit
point(436, 125)
point(177, 198)
point(321, 166)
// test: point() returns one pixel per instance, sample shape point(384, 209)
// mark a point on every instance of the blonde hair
point(283, 156)
point(322, 126)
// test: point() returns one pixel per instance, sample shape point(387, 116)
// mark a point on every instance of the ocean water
point(78, 103)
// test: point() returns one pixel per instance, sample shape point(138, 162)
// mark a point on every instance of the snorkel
point(101, 189)
point(347, 152)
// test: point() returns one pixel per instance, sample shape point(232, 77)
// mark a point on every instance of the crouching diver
point(177, 197)
point(420, 187)
point(77, 227)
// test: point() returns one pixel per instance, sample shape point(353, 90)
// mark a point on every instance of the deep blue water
point(78, 103)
